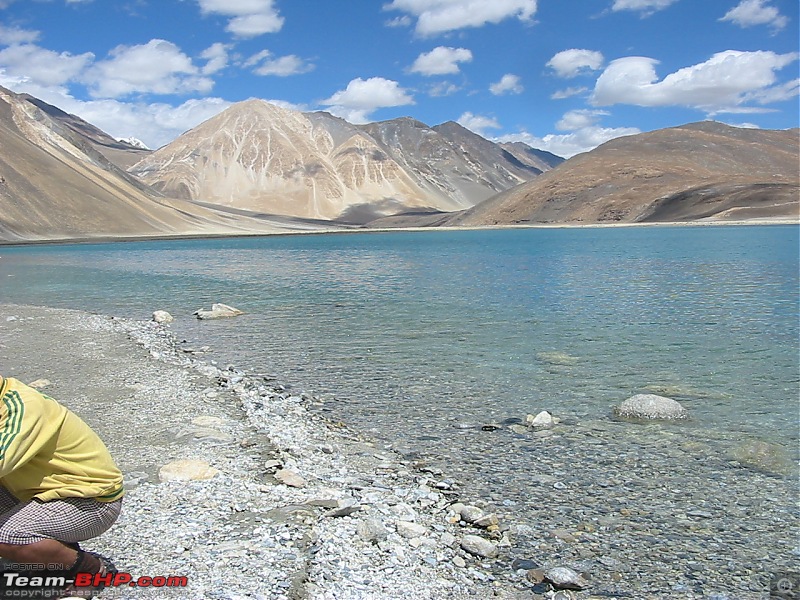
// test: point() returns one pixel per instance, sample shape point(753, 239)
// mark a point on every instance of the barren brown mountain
point(704, 170)
point(262, 157)
point(56, 184)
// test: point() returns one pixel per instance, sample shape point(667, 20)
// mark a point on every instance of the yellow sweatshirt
point(47, 452)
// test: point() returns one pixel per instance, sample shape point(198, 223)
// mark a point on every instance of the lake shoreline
point(296, 506)
point(345, 230)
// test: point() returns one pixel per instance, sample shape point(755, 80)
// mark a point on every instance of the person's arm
point(22, 431)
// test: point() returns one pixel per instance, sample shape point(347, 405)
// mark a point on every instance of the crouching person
point(58, 486)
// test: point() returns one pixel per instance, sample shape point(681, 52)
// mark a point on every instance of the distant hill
point(262, 157)
point(704, 170)
point(56, 184)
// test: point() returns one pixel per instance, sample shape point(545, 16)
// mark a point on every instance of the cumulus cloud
point(508, 84)
point(362, 97)
point(755, 12)
point(570, 144)
point(248, 18)
point(477, 123)
point(440, 16)
point(14, 35)
point(41, 66)
point(441, 61)
point(282, 66)
point(157, 67)
point(579, 119)
point(573, 62)
point(217, 57)
point(155, 124)
point(727, 79)
point(645, 7)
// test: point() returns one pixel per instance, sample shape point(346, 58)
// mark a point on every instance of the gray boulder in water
point(651, 406)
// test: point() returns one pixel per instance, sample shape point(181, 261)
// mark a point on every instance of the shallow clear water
point(471, 326)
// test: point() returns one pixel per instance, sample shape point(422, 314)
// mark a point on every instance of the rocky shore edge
point(236, 486)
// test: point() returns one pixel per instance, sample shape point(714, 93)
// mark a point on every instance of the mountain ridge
point(315, 165)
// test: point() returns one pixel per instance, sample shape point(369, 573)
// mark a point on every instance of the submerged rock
point(764, 456)
point(651, 406)
point(218, 311)
point(557, 358)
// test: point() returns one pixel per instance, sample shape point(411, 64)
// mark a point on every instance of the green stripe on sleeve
point(15, 411)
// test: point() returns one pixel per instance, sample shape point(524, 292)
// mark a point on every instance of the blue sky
point(561, 75)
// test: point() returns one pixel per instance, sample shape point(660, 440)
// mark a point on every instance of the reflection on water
point(486, 325)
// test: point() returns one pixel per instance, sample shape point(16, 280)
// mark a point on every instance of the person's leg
point(45, 532)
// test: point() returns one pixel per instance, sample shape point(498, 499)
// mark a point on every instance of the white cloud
point(444, 88)
point(14, 35)
point(157, 67)
point(477, 123)
point(441, 61)
point(568, 93)
point(40, 66)
point(440, 16)
point(404, 21)
point(248, 18)
point(155, 124)
point(646, 7)
point(570, 144)
point(727, 79)
point(508, 84)
point(573, 62)
point(579, 119)
point(217, 57)
point(281, 66)
point(755, 12)
point(362, 97)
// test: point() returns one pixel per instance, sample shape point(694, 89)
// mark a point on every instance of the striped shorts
point(68, 520)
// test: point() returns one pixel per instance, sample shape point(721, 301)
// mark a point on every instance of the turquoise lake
point(410, 331)
point(435, 344)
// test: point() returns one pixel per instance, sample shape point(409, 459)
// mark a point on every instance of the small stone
point(523, 564)
point(565, 578)
point(290, 478)
point(409, 530)
point(162, 317)
point(40, 384)
point(487, 521)
point(470, 514)
point(187, 470)
point(344, 511)
point(479, 546)
point(207, 421)
point(371, 529)
point(543, 420)
point(459, 562)
point(272, 465)
point(535, 576)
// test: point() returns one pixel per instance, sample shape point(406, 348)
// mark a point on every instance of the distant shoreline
point(342, 231)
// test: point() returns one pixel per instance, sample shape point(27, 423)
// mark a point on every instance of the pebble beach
point(236, 483)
